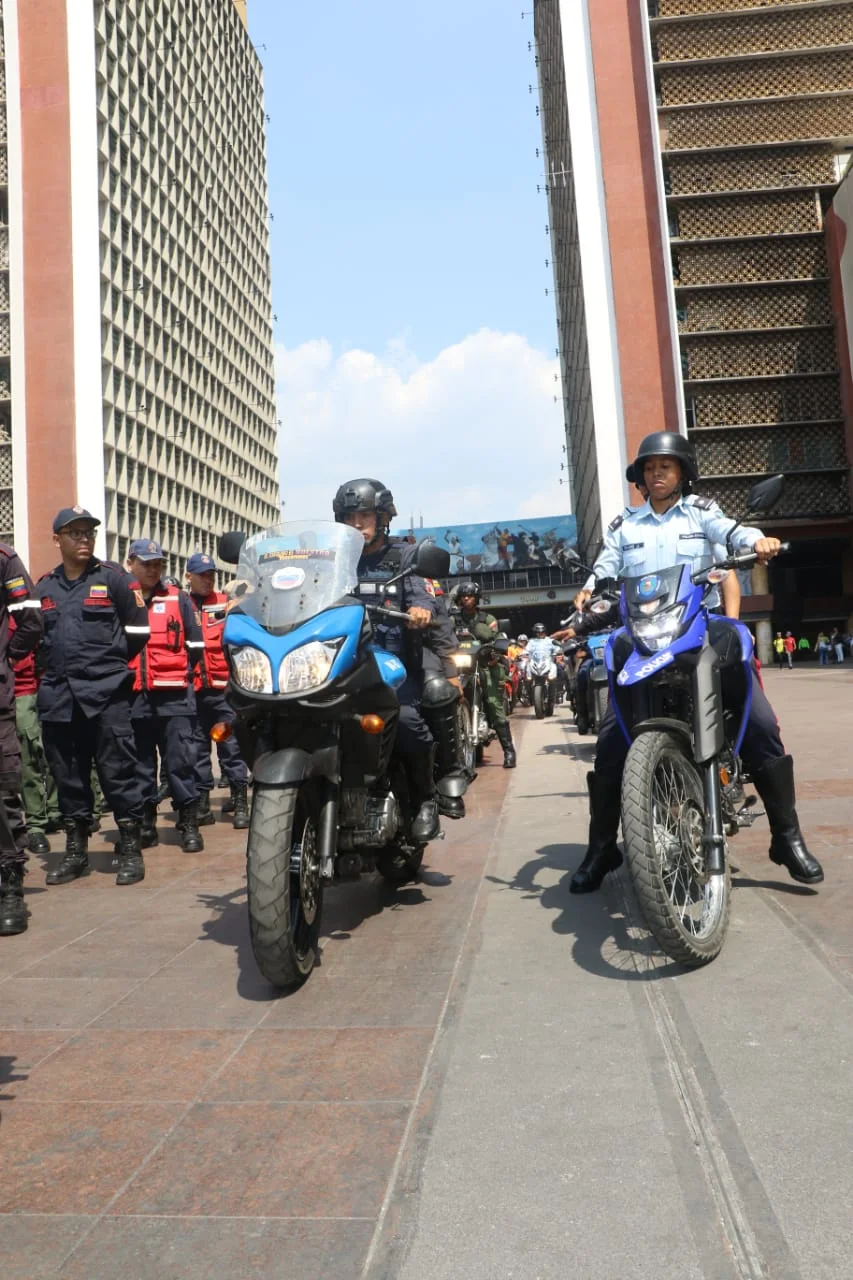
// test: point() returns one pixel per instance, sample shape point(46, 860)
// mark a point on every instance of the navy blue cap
point(200, 563)
point(69, 514)
point(143, 549)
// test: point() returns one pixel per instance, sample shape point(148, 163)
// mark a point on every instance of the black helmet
point(363, 495)
point(665, 444)
point(539, 629)
point(468, 589)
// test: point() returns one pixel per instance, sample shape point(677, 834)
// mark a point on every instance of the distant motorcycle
point(542, 677)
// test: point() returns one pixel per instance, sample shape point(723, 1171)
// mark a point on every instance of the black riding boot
point(505, 739)
point(775, 784)
point(191, 839)
point(419, 768)
point(131, 868)
point(240, 796)
point(75, 860)
point(603, 854)
point(13, 910)
point(205, 816)
point(149, 836)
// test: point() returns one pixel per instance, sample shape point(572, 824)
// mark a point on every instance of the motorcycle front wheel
point(539, 701)
point(464, 727)
point(663, 824)
point(285, 885)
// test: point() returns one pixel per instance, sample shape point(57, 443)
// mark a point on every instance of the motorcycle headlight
point(659, 631)
point(308, 666)
point(463, 660)
point(252, 669)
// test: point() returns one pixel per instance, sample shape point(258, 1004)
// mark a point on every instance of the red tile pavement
point(165, 1112)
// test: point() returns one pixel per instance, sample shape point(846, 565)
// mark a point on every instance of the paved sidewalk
point(604, 1114)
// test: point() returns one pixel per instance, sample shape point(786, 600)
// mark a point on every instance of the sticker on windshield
point(296, 553)
point(287, 579)
point(648, 586)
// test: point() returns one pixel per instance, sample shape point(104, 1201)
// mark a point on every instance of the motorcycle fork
point(708, 742)
point(327, 832)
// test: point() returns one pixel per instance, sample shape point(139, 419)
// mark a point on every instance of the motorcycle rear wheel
point(663, 824)
point(285, 885)
point(465, 730)
point(539, 701)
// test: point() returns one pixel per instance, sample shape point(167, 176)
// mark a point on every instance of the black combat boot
point(450, 806)
point(240, 796)
point(603, 854)
point(205, 816)
point(131, 868)
point(775, 784)
point(75, 860)
point(425, 826)
point(37, 842)
point(505, 739)
point(191, 838)
point(13, 910)
point(149, 835)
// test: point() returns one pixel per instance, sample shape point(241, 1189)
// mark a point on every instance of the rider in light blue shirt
point(676, 527)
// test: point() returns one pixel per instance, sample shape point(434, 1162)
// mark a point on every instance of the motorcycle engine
point(367, 819)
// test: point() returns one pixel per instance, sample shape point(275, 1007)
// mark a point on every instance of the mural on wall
point(510, 544)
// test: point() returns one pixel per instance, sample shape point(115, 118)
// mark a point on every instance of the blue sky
point(403, 179)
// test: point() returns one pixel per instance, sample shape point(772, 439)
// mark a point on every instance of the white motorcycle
point(542, 676)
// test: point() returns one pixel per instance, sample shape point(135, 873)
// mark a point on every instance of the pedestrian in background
point(18, 601)
point(210, 682)
point(790, 646)
point(164, 709)
point(836, 642)
point(803, 647)
point(95, 622)
point(822, 643)
point(779, 649)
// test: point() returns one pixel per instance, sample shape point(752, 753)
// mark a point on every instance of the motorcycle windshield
point(653, 592)
point(291, 572)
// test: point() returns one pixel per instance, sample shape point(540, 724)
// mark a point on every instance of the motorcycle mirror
point(505, 624)
point(230, 545)
point(501, 646)
point(765, 494)
point(431, 561)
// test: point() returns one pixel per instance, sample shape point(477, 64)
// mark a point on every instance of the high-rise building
point(137, 375)
point(693, 148)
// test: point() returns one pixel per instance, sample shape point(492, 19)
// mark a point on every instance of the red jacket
point(212, 671)
point(162, 664)
point(790, 644)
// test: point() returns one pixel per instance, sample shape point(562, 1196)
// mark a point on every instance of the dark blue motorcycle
point(681, 685)
point(317, 714)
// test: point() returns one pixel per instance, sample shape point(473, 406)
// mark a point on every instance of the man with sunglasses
point(95, 622)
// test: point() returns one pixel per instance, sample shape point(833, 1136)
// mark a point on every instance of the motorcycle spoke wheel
point(663, 825)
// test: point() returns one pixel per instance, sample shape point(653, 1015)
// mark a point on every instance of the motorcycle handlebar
point(742, 561)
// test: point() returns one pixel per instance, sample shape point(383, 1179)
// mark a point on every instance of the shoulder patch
point(616, 524)
point(704, 504)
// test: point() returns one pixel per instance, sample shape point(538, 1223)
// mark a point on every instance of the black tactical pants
point(174, 737)
point(13, 827)
point(107, 739)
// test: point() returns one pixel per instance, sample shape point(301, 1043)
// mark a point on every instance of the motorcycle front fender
point(291, 765)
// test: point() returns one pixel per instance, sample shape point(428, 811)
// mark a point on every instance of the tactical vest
point(162, 664)
point(212, 671)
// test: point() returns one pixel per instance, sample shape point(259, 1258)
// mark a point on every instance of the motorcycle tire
point(583, 725)
point(539, 701)
point(686, 910)
point(550, 702)
point(600, 698)
point(285, 892)
point(465, 730)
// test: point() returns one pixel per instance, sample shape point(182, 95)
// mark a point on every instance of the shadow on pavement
point(604, 943)
point(8, 1075)
point(778, 886)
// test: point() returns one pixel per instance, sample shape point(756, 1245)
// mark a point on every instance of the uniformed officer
point(19, 602)
point(164, 711)
point(426, 640)
point(38, 788)
point(484, 627)
point(676, 527)
point(212, 707)
point(94, 623)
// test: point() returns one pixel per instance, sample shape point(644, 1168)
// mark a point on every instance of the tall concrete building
point(693, 149)
point(136, 374)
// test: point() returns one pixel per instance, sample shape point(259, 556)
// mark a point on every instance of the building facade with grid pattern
point(722, 129)
point(159, 412)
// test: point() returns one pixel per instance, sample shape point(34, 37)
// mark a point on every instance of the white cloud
point(474, 434)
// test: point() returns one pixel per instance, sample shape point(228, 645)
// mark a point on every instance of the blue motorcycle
point(317, 714)
point(681, 684)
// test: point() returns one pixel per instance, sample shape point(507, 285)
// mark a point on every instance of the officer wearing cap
point(20, 632)
point(95, 622)
point(675, 526)
point(164, 708)
point(210, 681)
